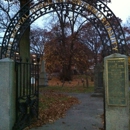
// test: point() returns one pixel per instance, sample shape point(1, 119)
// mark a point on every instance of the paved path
point(84, 116)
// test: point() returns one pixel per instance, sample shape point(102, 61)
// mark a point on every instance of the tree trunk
point(66, 75)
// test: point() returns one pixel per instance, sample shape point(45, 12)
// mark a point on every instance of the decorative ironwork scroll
point(99, 15)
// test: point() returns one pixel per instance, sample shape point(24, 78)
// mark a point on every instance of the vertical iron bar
point(27, 78)
point(20, 78)
point(30, 87)
point(23, 78)
point(31, 72)
point(104, 109)
point(35, 78)
point(37, 90)
point(30, 75)
point(16, 65)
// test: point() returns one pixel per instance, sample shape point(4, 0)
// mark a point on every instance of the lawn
point(66, 89)
point(77, 85)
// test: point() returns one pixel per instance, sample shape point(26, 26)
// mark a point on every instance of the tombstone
point(32, 80)
point(43, 78)
point(98, 78)
point(98, 81)
point(116, 92)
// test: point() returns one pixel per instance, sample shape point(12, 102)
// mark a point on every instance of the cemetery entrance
point(13, 46)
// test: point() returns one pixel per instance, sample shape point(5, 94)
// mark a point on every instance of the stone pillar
point(116, 92)
point(7, 94)
point(43, 78)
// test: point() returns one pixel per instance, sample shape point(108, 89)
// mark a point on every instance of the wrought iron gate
point(27, 94)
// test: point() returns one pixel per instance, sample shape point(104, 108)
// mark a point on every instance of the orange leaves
point(53, 106)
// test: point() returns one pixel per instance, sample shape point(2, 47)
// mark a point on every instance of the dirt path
point(84, 116)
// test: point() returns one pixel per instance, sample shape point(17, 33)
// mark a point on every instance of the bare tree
point(7, 11)
point(64, 50)
point(38, 38)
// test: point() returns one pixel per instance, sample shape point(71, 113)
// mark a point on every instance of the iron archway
point(101, 16)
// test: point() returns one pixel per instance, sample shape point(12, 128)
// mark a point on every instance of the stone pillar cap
point(116, 55)
point(6, 60)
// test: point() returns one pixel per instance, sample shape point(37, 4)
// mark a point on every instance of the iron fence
point(27, 94)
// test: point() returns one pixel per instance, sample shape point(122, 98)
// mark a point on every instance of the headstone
point(98, 78)
point(98, 81)
point(32, 80)
point(43, 78)
point(116, 92)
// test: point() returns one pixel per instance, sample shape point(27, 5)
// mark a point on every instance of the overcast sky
point(121, 8)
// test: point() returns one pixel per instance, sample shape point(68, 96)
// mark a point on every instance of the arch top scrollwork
point(97, 12)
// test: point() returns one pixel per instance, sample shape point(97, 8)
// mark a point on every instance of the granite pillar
point(7, 94)
point(116, 92)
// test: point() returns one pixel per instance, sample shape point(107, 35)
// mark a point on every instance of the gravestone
point(98, 78)
point(98, 81)
point(43, 78)
point(116, 92)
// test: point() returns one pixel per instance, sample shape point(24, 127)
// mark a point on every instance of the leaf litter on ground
point(52, 106)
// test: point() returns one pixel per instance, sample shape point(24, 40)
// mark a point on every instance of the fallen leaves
point(53, 106)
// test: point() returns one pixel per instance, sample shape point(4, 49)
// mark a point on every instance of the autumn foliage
point(64, 53)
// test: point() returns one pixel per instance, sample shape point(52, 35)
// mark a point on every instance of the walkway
point(84, 116)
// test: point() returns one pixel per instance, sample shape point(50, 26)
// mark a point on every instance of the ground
point(78, 80)
point(54, 103)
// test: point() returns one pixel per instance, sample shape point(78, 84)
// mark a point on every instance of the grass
point(76, 89)
point(74, 86)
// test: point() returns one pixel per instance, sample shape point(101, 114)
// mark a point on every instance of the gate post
point(7, 94)
point(116, 92)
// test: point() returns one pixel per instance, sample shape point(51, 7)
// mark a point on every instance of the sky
point(121, 8)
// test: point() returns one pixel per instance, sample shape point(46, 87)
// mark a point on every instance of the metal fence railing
point(27, 93)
